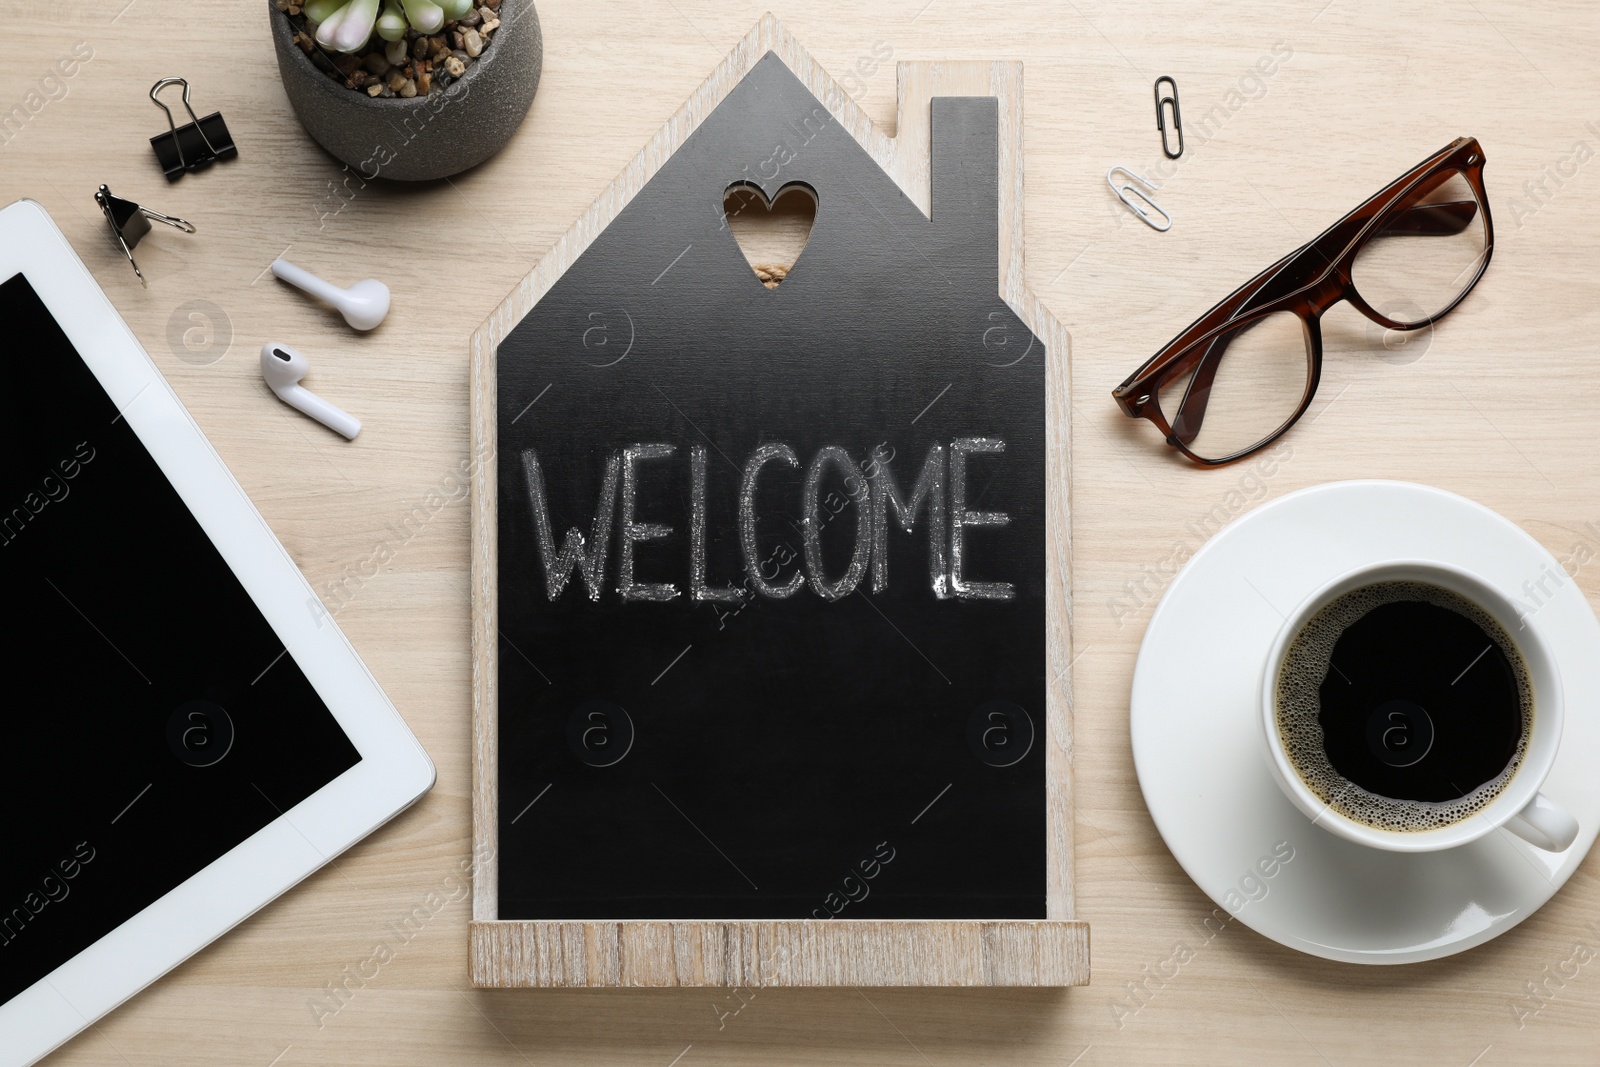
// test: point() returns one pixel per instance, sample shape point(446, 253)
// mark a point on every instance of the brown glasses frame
point(1307, 282)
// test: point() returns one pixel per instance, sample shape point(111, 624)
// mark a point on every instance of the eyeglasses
point(1404, 259)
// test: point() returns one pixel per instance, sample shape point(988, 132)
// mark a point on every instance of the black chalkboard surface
point(772, 561)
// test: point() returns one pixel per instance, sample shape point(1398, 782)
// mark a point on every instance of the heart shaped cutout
point(770, 234)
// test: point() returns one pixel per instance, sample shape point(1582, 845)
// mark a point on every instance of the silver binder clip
point(1137, 200)
point(129, 222)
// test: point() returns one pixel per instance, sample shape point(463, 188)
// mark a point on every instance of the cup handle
point(1544, 824)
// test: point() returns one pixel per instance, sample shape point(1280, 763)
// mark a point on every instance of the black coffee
point(1404, 706)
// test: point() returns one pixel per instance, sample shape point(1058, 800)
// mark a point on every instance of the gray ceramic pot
point(435, 136)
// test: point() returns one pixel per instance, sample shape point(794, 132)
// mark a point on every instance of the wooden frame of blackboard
point(801, 952)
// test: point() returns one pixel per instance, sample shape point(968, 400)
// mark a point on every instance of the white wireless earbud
point(283, 368)
point(363, 305)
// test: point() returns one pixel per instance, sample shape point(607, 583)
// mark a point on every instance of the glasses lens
point(1424, 255)
point(1243, 387)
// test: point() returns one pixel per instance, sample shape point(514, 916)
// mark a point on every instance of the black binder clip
point(129, 222)
point(193, 145)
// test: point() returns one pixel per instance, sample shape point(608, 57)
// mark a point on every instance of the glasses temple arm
point(1432, 220)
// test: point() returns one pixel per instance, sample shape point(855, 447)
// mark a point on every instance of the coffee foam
point(1306, 665)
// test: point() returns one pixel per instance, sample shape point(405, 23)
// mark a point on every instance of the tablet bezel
point(393, 772)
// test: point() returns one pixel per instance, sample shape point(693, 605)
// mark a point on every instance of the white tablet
point(186, 734)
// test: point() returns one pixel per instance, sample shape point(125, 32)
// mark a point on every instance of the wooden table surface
point(1499, 404)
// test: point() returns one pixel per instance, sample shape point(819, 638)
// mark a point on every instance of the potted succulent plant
point(408, 89)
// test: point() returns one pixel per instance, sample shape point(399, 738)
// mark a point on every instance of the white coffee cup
point(1519, 807)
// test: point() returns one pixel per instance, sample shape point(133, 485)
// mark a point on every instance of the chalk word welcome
point(939, 493)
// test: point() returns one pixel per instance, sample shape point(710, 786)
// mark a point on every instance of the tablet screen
point(152, 718)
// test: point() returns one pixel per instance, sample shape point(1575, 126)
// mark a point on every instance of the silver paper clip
point(1137, 200)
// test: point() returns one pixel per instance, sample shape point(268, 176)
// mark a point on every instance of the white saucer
point(1200, 758)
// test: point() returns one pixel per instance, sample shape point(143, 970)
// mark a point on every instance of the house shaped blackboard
point(770, 580)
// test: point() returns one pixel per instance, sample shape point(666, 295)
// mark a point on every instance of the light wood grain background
point(1498, 404)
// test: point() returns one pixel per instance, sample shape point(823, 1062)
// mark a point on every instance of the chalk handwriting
point(938, 498)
